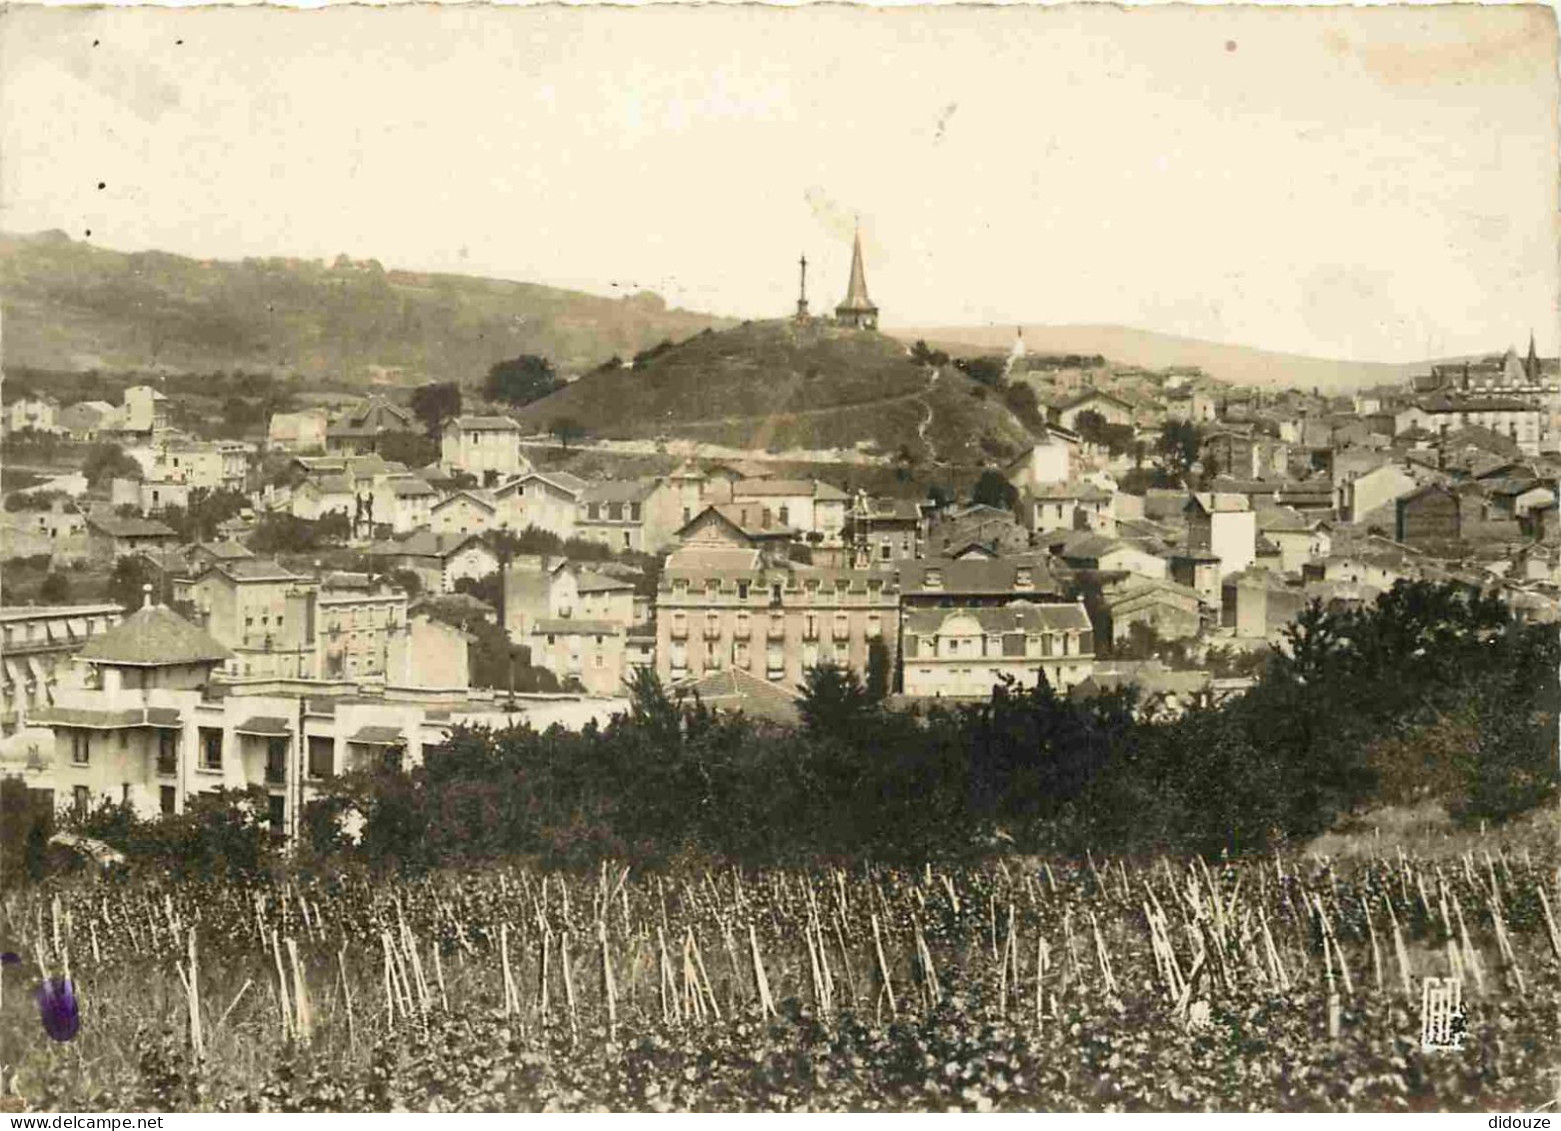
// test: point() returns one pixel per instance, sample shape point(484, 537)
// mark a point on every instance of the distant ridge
point(74, 306)
point(1123, 345)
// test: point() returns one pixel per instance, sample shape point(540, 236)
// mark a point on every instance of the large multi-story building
point(773, 620)
point(261, 613)
point(38, 647)
point(628, 514)
point(364, 426)
point(962, 653)
point(153, 728)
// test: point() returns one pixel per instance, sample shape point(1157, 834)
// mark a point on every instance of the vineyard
point(1267, 984)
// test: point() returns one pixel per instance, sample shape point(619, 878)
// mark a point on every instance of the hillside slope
point(1123, 345)
point(775, 386)
point(72, 306)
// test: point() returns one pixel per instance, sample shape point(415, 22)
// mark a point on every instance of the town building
point(1431, 514)
point(485, 446)
point(302, 432)
point(86, 421)
point(363, 427)
point(464, 512)
point(1112, 409)
point(1048, 461)
point(628, 514)
point(545, 500)
point(962, 653)
point(774, 620)
point(1224, 526)
point(439, 560)
point(38, 657)
point(881, 531)
point(32, 414)
point(1174, 612)
point(110, 537)
point(260, 613)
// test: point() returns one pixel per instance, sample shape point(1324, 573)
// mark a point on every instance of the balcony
point(742, 632)
point(679, 631)
point(712, 632)
point(842, 631)
point(275, 775)
point(810, 632)
point(167, 766)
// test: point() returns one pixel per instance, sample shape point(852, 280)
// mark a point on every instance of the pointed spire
point(857, 309)
point(1531, 366)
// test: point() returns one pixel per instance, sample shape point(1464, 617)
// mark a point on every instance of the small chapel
point(856, 310)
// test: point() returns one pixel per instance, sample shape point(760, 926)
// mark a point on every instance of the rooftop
point(154, 636)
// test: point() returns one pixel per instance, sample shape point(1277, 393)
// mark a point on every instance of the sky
point(1360, 183)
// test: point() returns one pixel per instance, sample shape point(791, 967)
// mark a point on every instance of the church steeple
point(857, 310)
point(1531, 365)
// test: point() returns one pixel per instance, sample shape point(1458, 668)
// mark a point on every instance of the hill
point(72, 306)
point(1123, 345)
point(776, 386)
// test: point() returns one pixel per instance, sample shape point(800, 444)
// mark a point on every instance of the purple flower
point(57, 1008)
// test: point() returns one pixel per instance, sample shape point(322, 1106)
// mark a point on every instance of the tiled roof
point(619, 490)
point(573, 626)
point(265, 726)
point(590, 581)
point(977, 577)
point(379, 736)
point(713, 560)
point(411, 486)
point(767, 487)
point(253, 569)
point(733, 689)
point(1021, 616)
point(473, 496)
point(225, 551)
point(164, 717)
point(425, 544)
point(130, 527)
point(484, 423)
point(154, 636)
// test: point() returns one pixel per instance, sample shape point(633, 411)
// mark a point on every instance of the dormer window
point(933, 579)
point(742, 590)
point(1024, 579)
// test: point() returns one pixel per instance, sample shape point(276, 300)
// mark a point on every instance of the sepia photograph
point(735, 558)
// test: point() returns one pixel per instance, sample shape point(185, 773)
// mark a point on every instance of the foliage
point(923, 355)
point(1023, 403)
point(35, 500)
point(521, 380)
point(880, 670)
point(1118, 439)
point(55, 589)
point(281, 533)
point(1178, 446)
point(988, 371)
point(106, 461)
point(567, 429)
point(435, 403)
point(207, 510)
point(407, 448)
point(126, 584)
point(994, 490)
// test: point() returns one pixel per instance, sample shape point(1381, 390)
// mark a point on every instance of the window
point(593, 511)
point(81, 747)
point(81, 798)
point(167, 752)
point(276, 760)
point(277, 811)
point(634, 512)
point(615, 512)
point(124, 740)
point(627, 542)
point(168, 797)
point(742, 590)
point(249, 622)
point(885, 551)
point(211, 748)
point(322, 757)
point(599, 662)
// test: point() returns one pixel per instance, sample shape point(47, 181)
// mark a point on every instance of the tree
point(1023, 403)
point(126, 584)
point(994, 490)
point(923, 355)
point(880, 669)
point(521, 380)
point(436, 403)
point(1178, 446)
point(833, 700)
point(986, 371)
point(107, 461)
point(55, 589)
point(565, 429)
point(408, 448)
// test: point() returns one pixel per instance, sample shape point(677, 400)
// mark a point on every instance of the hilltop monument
point(802, 293)
point(857, 310)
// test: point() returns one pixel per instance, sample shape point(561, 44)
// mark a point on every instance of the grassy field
point(1272, 984)
point(70, 305)
point(774, 386)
